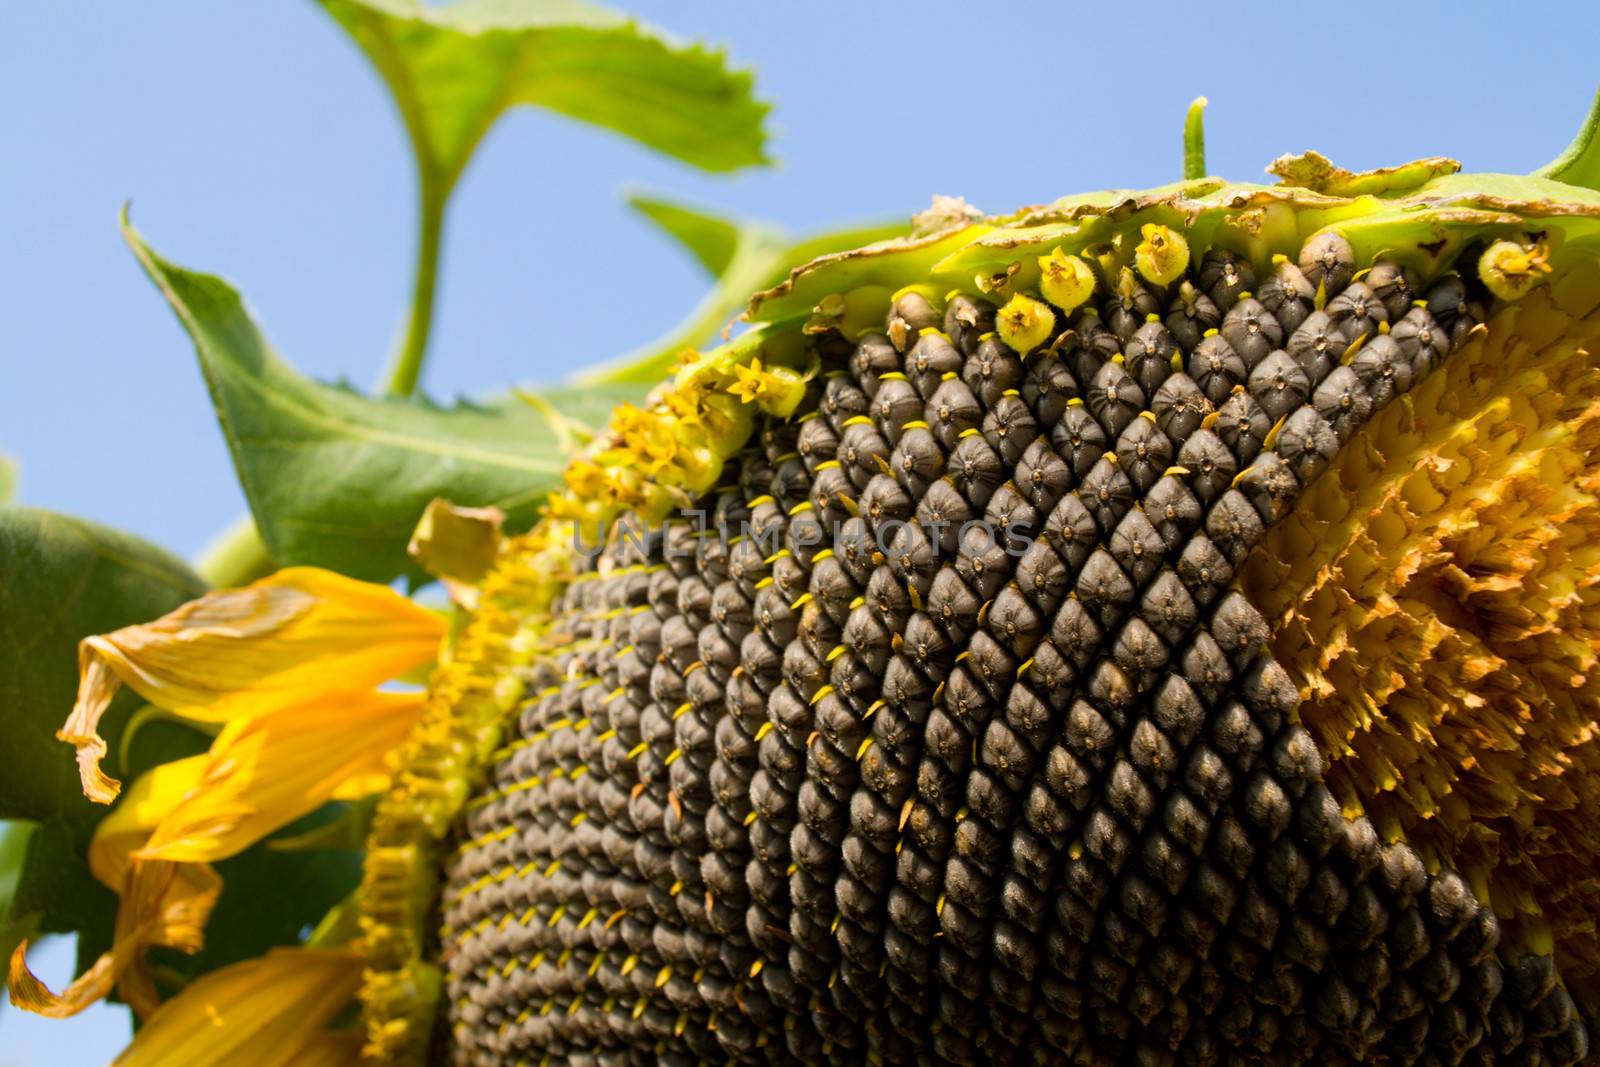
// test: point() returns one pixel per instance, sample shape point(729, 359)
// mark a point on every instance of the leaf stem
point(235, 557)
point(406, 368)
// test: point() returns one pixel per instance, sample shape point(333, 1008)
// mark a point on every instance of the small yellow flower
point(1510, 270)
point(647, 437)
point(1066, 281)
point(1024, 323)
point(584, 479)
point(684, 404)
point(752, 382)
point(774, 390)
point(571, 507)
point(1163, 255)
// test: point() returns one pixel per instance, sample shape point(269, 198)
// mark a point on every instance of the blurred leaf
point(454, 69)
point(8, 479)
point(340, 480)
point(15, 834)
point(745, 257)
point(62, 579)
point(345, 830)
point(14, 837)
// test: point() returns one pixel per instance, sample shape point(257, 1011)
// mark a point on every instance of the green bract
point(1421, 214)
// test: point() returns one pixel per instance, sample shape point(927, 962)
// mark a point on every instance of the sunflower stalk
point(406, 369)
point(236, 556)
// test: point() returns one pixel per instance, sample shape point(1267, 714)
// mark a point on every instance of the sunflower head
point(1169, 637)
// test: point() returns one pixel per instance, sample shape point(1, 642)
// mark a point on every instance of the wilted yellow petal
point(163, 905)
point(245, 651)
point(262, 772)
point(266, 1012)
point(166, 905)
point(265, 771)
point(30, 994)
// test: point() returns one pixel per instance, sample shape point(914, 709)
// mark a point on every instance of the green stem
point(407, 366)
point(235, 557)
point(1194, 141)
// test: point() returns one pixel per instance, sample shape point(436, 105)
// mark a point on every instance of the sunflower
point(1171, 636)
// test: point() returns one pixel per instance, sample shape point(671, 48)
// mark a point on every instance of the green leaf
point(1579, 164)
point(712, 240)
point(14, 837)
point(454, 69)
point(62, 579)
point(338, 479)
point(8, 479)
point(745, 257)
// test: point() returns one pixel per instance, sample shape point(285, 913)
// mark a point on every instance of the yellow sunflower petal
point(166, 905)
point(151, 798)
point(341, 1049)
point(250, 650)
point(265, 771)
point(159, 905)
point(266, 1012)
point(362, 785)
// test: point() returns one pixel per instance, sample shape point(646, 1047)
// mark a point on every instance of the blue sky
point(254, 142)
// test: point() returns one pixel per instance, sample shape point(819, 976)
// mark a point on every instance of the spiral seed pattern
point(949, 736)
